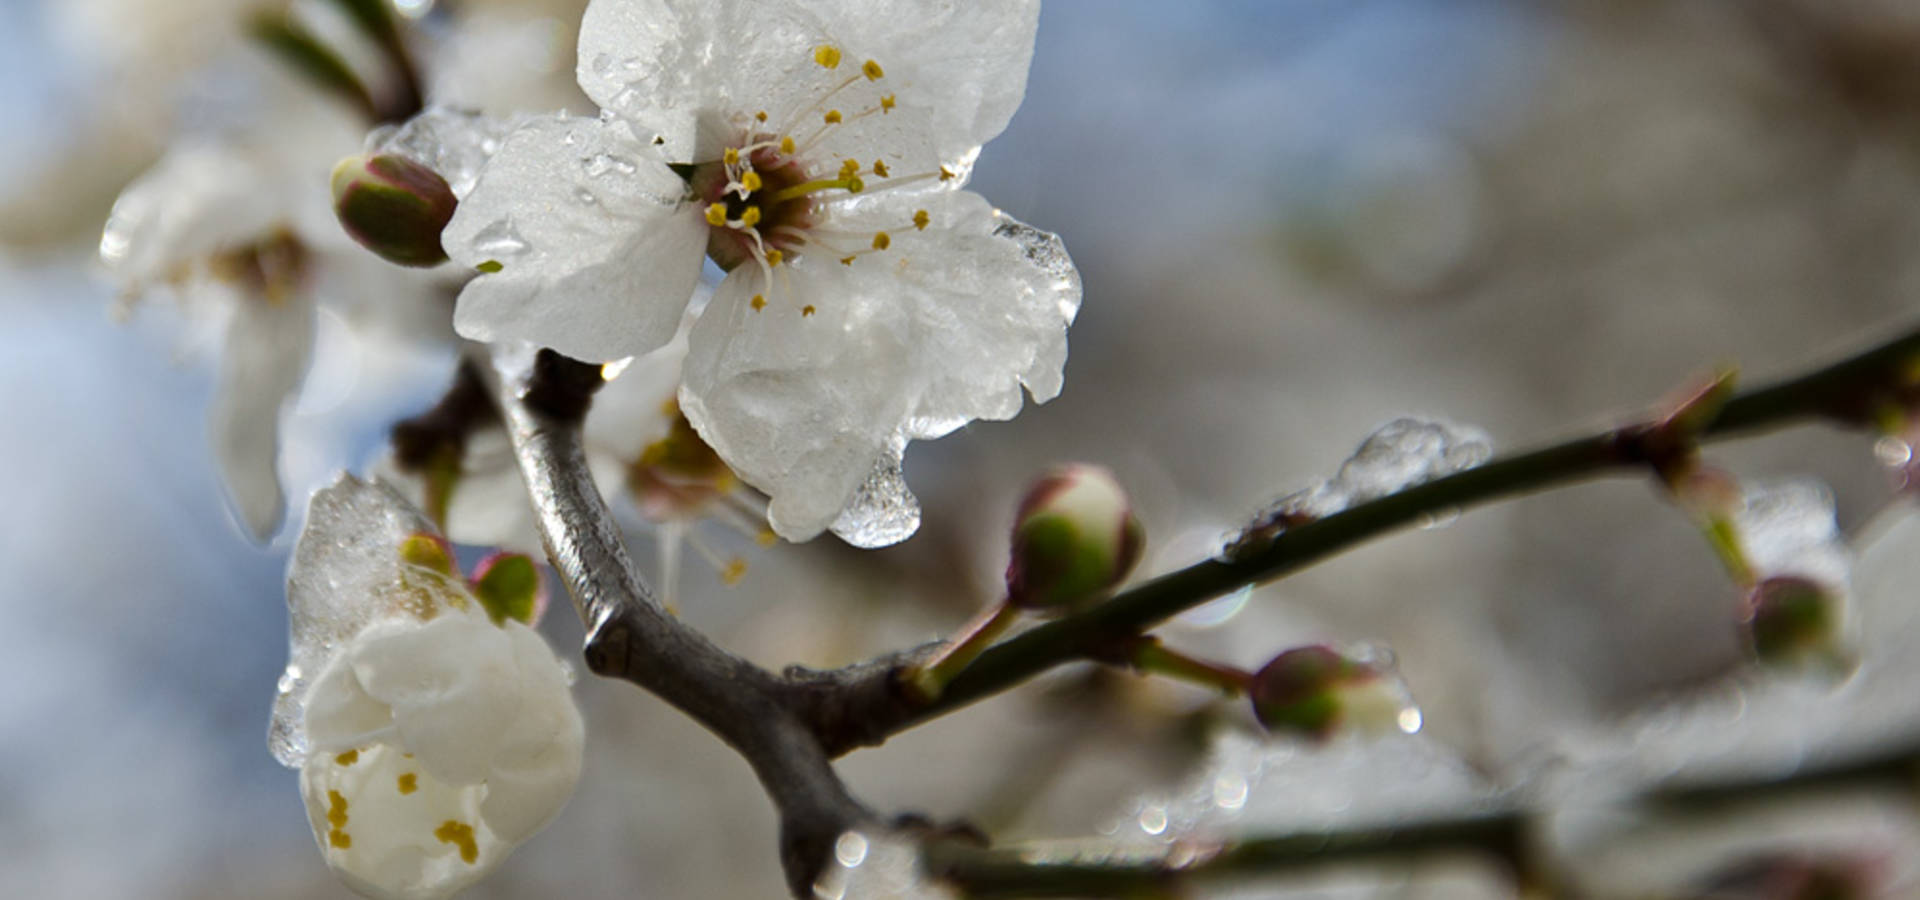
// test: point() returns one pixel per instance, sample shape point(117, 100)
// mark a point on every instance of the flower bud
point(509, 587)
point(1794, 621)
point(393, 206)
point(1074, 539)
point(1317, 692)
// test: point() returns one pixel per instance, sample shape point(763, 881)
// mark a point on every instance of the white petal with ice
point(676, 66)
point(431, 741)
point(598, 252)
point(810, 396)
point(268, 346)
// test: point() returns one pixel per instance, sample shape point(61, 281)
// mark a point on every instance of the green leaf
point(311, 59)
point(374, 17)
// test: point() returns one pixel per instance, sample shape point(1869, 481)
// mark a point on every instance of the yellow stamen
point(336, 809)
point(751, 181)
point(348, 758)
point(731, 157)
point(807, 310)
point(751, 217)
point(832, 117)
point(819, 184)
point(766, 538)
point(717, 214)
point(774, 257)
point(881, 241)
point(946, 174)
point(760, 116)
point(453, 832)
point(759, 302)
point(849, 168)
point(827, 55)
point(920, 219)
point(786, 145)
point(855, 185)
point(886, 103)
point(408, 782)
point(736, 569)
point(872, 70)
point(880, 168)
point(340, 839)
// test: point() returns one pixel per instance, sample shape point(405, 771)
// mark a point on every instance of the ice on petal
point(455, 143)
point(1788, 528)
point(347, 555)
point(878, 866)
point(883, 510)
point(264, 360)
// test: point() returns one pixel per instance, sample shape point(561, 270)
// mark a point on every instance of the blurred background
point(1296, 220)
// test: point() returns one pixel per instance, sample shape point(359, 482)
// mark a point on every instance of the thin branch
point(1501, 833)
point(544, 399)
point(851, 714)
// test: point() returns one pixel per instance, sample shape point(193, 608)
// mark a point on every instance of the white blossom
point(869, 302)
point(241, 232)
point(431, 741)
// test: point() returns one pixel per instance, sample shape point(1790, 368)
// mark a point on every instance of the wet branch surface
point(791, 725)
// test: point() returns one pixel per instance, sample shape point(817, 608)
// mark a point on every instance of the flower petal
point(451, 683)
point(680, 67)
point(597, 254)
point(269, 342)
point(811, 398)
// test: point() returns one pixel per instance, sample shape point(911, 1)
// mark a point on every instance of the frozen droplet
point(1218, 611)
point(883, 511)
point(499, 239)
point(584, 197)
point(1892, 452)
point(600, 164)
point(885, 867)
point(454, 143)
point(1230, 791)
point(1411, 720)
point(1153, 819)
point(1788, 528)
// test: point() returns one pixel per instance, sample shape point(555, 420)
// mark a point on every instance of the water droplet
point(500, 239)
point(1411, 720)
point(584, 197)
point(850, 849)
point(599, 164)
point(1153, 819)
point(883, 510)
point(1229, 791)
point(1892, 452)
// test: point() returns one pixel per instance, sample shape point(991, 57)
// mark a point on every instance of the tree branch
point(544, 399)
point(854, 712)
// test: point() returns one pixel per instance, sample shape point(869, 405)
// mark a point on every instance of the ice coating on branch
point(877, 867)
point(1788, 528)
point(328, 586)
point(454, 143)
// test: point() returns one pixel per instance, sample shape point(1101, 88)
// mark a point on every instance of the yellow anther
point(832, 117)
point(946, 174)
point(807, 310)
point(886, 103)
point(340, 839)
point(717, 214)
point(731, 157)
point(849, 168)
point(920, 219)
point(348, 758)
point(760, 116)
point(846, 260)
point(736, 568)
point(759, 302)
point(751, 217)
point(766, 538)
point(786, 145)
point(775, 257)
point(855, 185)
point(827, 55)
point(872, 70)
point(408, 782)
point(881, 241)
point(880, 168)
point(453, 832)
point(336, 809)
point(750, 181)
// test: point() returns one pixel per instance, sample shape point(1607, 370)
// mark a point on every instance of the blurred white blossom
point(870, 302)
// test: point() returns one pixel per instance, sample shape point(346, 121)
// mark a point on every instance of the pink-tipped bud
point(393, 206)
point(510, 587)
point(1795, 622)
point(1075, 539)
point(1318, 692)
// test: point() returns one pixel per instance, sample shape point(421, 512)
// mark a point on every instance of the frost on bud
point(1074, 539)
point(393, 206)
point(1795, 622)
point(1317, 692)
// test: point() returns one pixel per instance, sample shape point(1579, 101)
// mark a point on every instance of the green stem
point(1152, 657)
point(1847, 393)
point(929, 678)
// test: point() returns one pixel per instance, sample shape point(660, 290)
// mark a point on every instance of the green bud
point(1795, 622)
point(393, 206)
point(428, 551)
point(1316, 692)
point(1075, 538)
point(509, 587)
